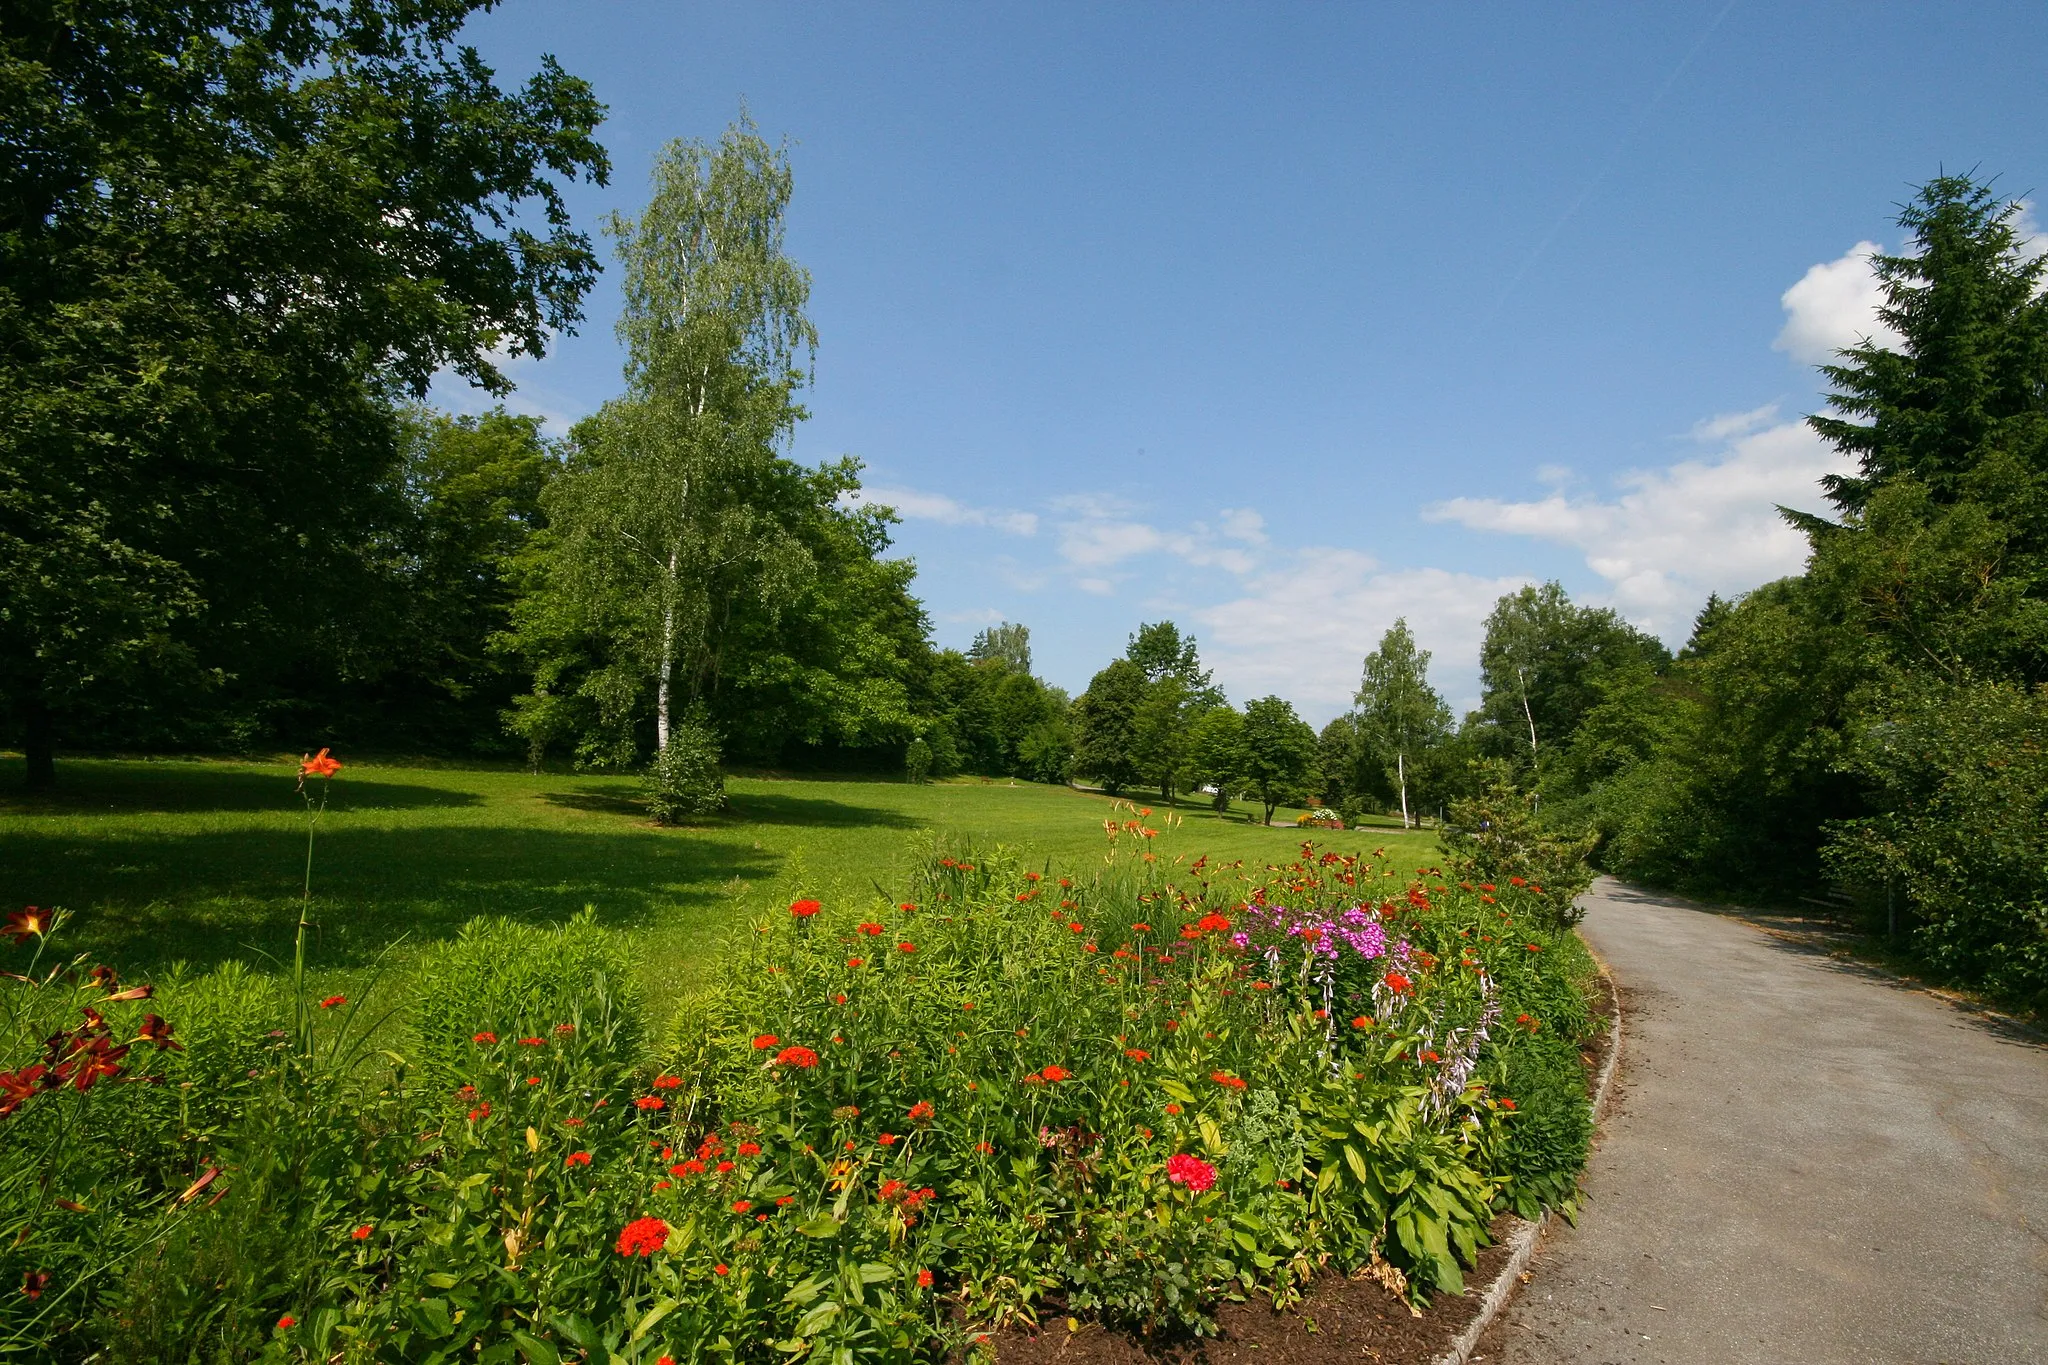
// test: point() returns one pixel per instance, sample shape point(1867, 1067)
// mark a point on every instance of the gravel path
point(1805, 1163)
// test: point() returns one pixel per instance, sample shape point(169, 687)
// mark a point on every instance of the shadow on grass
point(237, 891)
point(612, 798)
point(816, 812)
point(190, 788)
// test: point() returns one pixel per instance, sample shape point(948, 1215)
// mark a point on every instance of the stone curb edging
point(1524, 1238)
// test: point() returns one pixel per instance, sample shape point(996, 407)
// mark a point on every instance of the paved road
point(1805, 1163)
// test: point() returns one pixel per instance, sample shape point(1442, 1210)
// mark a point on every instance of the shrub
point(1494, 837)
point(684, 781)
point(917, 760)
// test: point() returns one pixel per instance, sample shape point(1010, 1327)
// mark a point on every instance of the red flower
point(741, 1205)
point(985, 1147)
point(486, 1037)
point(482, 1111)
point(1191, 1171)
point(921, 1112)
point(924, 1279)
point(157, 1029)
point(800, 1057)
point(533, 1042)
point(650, 1102)
point(565, 1028)
point(1141, 928)
point(887, 1139)
point(720, 1269)
point(1137, 1054)
point(1361, 1021)
point(643, 1237)
point(870, 928)
point(362, 1234)
point(23, 925)
point(804, 909)
point(1398, 984)
point(765, 1041)
point(576, 1159)
point(1517, 881)
point(785, 1201)
point(906, 947)
point(1506, 1103)
point(98, 1058)
point(839, 999)
point(856, 962)
point(34, 1282)
point(667, 1082)
point(1226, 1080)
point(1056, 1073)
point(287, 1322)
point(1488, 886)
point(1213, 924)
point(331, 1001)
point(319, 765)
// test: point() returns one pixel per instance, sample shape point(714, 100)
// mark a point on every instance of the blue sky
point(1284, 320)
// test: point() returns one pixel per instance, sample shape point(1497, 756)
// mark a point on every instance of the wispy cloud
point(913, 505)
point(1303, 631)
point(1670, 536)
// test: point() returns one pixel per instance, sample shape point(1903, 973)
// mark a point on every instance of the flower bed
point(887, 1130)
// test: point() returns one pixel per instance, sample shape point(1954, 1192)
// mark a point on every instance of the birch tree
point(1398, 711)
point(676, 506)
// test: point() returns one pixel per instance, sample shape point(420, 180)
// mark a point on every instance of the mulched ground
point(1340, 1320)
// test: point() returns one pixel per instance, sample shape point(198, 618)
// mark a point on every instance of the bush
point(1961, 774)
point(917, 761)
point(684, 781)
point(1494, 837)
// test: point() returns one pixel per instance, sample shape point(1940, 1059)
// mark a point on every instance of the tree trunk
point(664, 682)
point(39, 744)
point(1401, 767)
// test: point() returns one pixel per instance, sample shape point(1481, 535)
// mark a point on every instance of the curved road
point(1805, 1163)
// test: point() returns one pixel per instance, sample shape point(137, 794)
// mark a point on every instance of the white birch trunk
point(664, 680)
point(1401, 767)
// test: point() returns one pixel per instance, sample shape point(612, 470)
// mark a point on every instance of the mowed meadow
point(201, 861)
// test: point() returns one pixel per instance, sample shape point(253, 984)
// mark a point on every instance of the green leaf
point(1357, 1164)
point(536, 1351)
point(1177, 1090)
point(824, 1225)
point(654, 1315)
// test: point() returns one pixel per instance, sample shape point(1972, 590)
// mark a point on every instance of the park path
point(1805, 1163)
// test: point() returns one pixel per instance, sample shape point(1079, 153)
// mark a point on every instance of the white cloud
point(912, 505)
point(1102, 536)
point(1303, 632)
point(1242, 523)
point(1101, 587)
point(1728, 425)
point(1833, 306)
point(1673, 535)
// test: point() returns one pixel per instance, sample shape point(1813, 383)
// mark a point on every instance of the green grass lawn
point(201, 860)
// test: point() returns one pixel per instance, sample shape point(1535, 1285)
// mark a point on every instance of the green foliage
point(194, 467)
point(1539, 665)
point(1005, 643)
point(685, 780)
point(1494, 837)
point(887, 1127)
point(1279, 753)
point(917, 760)
point(518, 980)
point(1399, 717)
point(1106, 726)
point(1961, 776)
